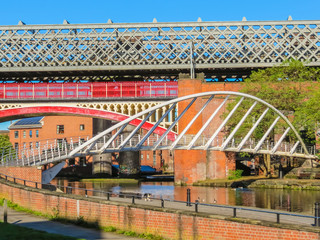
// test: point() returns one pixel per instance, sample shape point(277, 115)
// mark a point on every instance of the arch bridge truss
point(162, 50)
point(209, 131)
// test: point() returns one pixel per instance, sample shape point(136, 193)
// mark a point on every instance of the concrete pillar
point(101, 164)
point(129, 162)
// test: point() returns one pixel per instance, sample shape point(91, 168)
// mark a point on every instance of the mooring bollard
point(5, 211)
point(188, 198)
point(196, 206)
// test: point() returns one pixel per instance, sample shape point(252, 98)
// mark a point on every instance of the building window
point(81, 127)
point(24, 145)
point(16, 146)
point(37, 133)
point(37, 144)
point(60, 129)
point(154, 158)
point(16, 134)
point(141, 156)
point(24, 134)
point(30, 133)
point(31, 145)
point(147, 156)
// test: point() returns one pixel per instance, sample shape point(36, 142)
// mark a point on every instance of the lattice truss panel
point(124, 108)
point(133, 108)
point(158, 45)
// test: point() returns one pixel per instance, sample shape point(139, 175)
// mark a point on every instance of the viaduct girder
point(152, 50)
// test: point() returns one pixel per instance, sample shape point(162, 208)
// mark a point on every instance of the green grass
point(132, 234)
point(14, 232)
point(79, 222)
point(208, 182)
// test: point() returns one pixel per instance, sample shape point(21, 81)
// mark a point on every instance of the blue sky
point(99, 11)
point(125, 11)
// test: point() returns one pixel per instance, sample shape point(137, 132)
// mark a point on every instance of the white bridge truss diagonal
point(210, 135)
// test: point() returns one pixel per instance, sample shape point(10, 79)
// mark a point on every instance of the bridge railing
point(88, 90)
point(56, 150)
point(39, 152)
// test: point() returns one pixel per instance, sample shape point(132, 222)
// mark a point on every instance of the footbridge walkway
point(209, 134)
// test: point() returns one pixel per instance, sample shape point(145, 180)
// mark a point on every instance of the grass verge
point(14, 232)
point(80, 221)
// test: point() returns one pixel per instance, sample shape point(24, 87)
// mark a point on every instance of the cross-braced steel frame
point(94, 51)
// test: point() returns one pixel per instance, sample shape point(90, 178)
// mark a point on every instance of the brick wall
point(168, 223)
point(27, 173)
point(49, 130)
point(192, 166)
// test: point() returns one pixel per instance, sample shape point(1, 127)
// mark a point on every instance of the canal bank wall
point(294, 184)
point(170, 224)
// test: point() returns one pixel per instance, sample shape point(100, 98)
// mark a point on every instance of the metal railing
point(220, 209)
point(55, 91)
point(55, 150)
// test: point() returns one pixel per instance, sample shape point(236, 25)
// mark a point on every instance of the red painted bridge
point(87, 90)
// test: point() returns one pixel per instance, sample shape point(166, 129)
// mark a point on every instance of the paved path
point(38, 223)
point(30, 221)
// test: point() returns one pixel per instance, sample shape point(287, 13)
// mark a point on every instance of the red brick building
point(30, 132)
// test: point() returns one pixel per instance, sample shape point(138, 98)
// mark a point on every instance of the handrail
point(32, 91)
point(196, 204)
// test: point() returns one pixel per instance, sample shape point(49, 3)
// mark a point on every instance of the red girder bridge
point(111, 100)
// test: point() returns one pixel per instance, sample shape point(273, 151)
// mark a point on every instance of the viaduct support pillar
point(196, 165)
point(101, 164)
point(129, 162)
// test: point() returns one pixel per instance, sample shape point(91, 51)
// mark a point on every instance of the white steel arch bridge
point(211, 133)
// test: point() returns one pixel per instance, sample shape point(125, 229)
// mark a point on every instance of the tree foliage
point(292, 88)
point(5, 145)
point(4, 141)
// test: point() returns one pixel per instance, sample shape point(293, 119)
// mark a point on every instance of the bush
point(235, 174)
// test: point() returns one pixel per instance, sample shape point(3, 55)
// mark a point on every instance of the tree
point(291, 88)
point(5, 145)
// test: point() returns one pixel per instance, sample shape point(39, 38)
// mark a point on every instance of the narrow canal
point(300, 201)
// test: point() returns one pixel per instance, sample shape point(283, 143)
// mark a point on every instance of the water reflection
point(301, 201)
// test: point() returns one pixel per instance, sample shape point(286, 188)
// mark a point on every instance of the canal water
point(300, 201)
